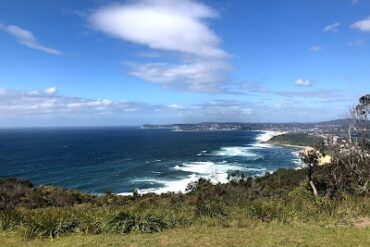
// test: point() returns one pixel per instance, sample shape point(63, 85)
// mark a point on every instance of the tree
point(361, 114)
point(351, 163)
point(311, 160)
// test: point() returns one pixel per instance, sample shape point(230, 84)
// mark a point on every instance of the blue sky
point(72, 63)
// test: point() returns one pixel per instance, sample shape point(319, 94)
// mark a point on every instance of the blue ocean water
point(120, 160)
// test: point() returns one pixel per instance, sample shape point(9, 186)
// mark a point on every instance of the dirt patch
point(362, 222)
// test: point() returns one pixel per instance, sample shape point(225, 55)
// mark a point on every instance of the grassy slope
point(258, 234)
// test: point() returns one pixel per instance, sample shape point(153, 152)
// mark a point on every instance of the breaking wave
point(266, 135)
point(214, 172)
point(236, 152)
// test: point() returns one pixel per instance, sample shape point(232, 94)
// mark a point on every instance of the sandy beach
point(323, 160)
point(304, 149)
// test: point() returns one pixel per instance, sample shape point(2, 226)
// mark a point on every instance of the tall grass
point(126, 223)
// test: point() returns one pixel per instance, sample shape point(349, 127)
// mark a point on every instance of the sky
point(133, 62)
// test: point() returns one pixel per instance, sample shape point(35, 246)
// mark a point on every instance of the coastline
point(214, 171)
point(304, 149)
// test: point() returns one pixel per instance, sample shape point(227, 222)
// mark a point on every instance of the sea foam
point(298, 160)
point(267, 135)
point(214, 172)
point(247, 151)
point(236, 152)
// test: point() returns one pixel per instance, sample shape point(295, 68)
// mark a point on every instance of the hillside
point(277, 209)
point(296, 139)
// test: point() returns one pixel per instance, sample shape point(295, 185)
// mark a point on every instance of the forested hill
point(297, 139)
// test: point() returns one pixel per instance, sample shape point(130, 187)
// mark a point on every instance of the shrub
point(301, 199)
point(267, 210)
point(213, 211)
point(10, 219)
point(209, 201)
point(198, 185)
point(125, 223)
point(49, 223)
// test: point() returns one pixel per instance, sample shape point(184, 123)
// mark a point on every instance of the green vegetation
point(296, 139)
point(280, 204)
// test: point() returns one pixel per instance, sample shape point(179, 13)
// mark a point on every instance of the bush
point(301, 200)
point(213, 211)
point(49, 223)
point(209, 200)
point(267, 210)
point(10, 219)
point(124, 223)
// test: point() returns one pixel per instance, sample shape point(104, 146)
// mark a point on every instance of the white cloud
point(51, 90)
point(46, 102)
point(362, 25)
point(206, 76)
point(161, 24)
point(169, 26)
point(303, 83)
point(27, 38)
point(332, 27)
point(315, 48)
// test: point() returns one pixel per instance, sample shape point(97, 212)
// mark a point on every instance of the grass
point(253, 234)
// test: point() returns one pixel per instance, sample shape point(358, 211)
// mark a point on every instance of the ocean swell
point(214, 171)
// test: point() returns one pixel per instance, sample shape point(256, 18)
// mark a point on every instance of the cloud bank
point(46, 107)
point(46, 102)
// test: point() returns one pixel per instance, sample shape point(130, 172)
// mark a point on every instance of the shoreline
point(304, 149)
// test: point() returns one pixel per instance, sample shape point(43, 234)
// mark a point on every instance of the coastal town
point(335, 132)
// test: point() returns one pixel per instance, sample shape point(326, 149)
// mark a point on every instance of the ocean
point(121, 159)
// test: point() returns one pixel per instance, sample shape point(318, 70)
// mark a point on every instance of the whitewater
point(215, 172)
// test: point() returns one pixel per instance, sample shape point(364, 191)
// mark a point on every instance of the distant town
point(335, 131)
